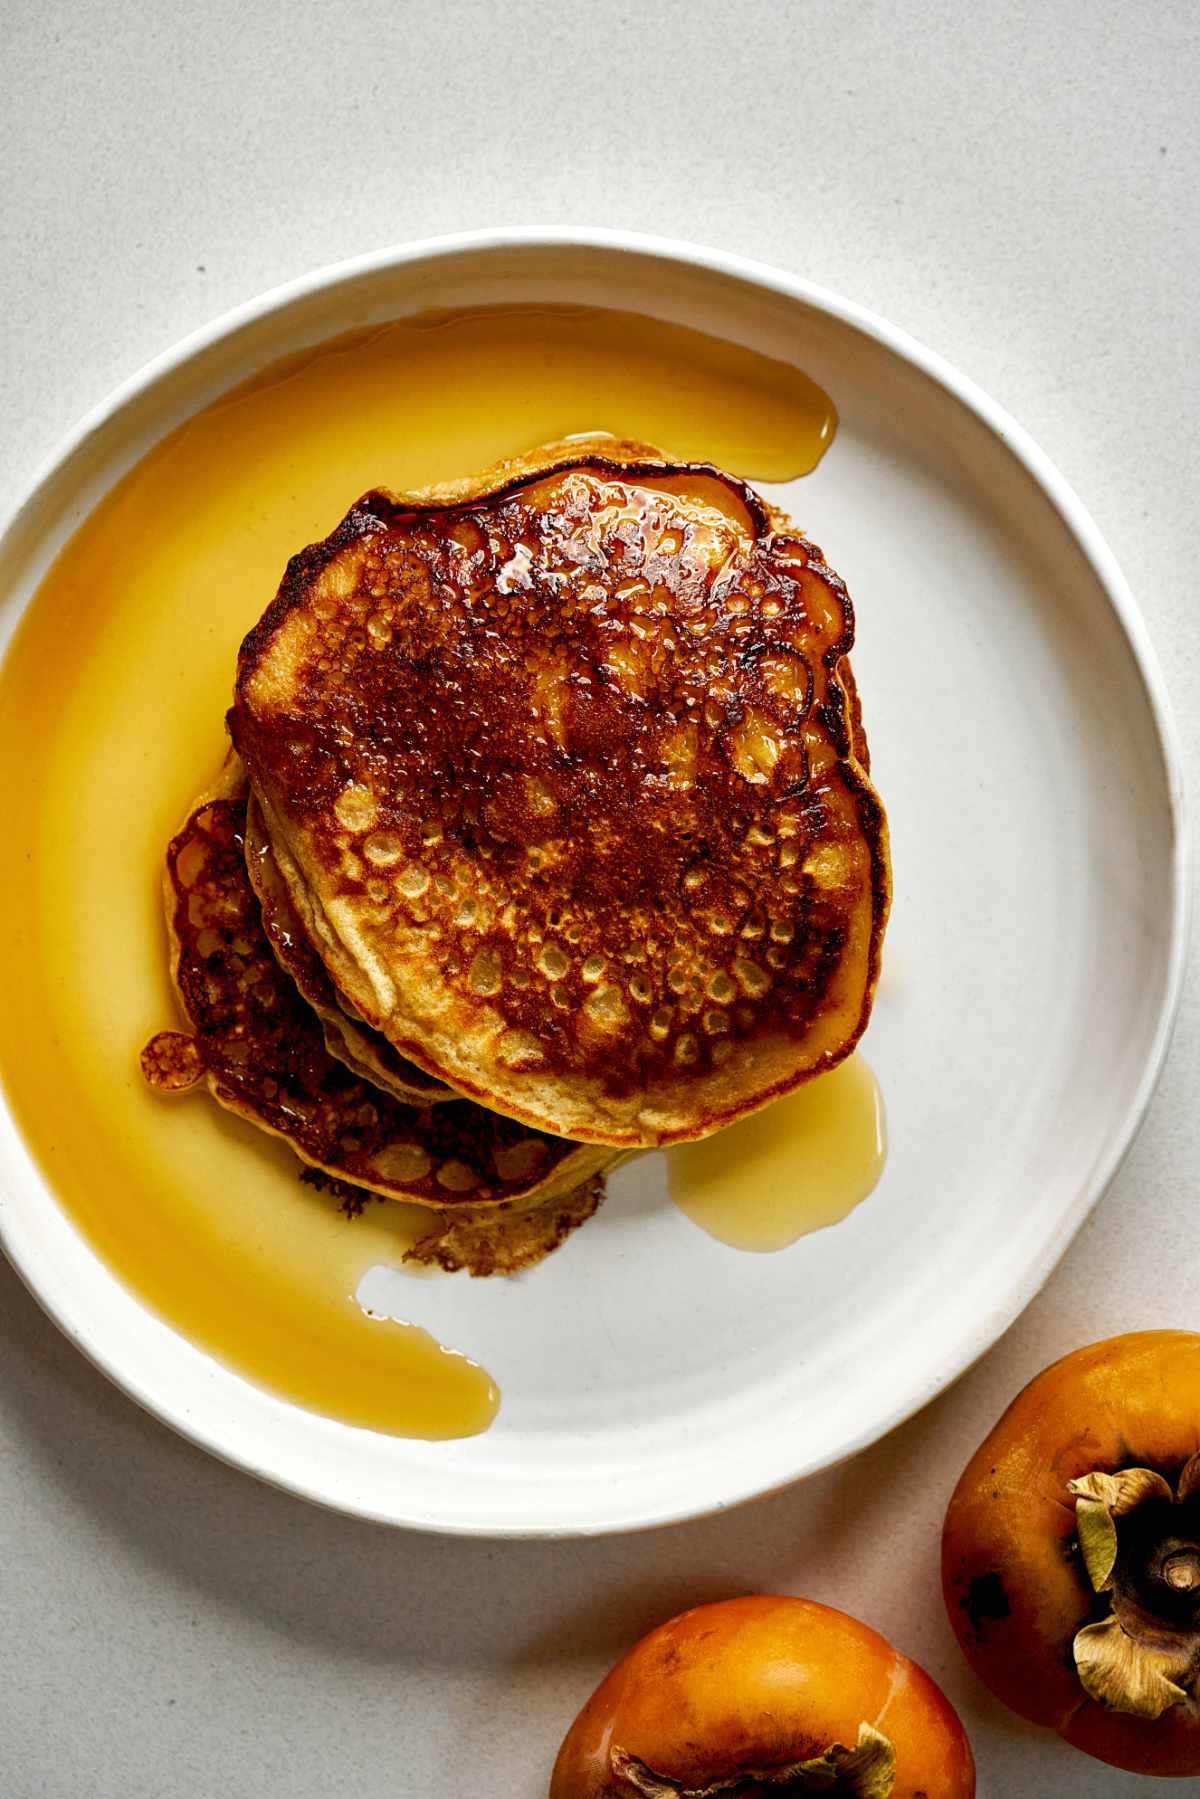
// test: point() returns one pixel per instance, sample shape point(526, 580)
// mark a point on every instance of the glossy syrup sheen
point(794, 1167)
point(111, 702)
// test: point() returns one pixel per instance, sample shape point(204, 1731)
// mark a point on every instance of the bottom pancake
point(481, 1239)
point(261, 1050)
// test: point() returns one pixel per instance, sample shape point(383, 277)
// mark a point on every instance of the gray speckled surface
point(1017, 187)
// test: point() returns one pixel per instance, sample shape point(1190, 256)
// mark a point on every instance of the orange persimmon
point(765, 1695)
point(1071, 1552)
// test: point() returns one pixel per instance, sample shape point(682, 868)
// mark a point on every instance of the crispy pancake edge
point(363, 1050)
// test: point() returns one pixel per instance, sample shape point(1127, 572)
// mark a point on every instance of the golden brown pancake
point(357, 1045)
point(562, 775)
point(261, 1050)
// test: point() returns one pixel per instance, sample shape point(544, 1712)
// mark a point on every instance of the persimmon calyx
point(1099, 1500)
point(1127, 1674)
point(868, 1771)
point(1143, 1670)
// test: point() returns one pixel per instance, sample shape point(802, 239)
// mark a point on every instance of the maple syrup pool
point(111, 701)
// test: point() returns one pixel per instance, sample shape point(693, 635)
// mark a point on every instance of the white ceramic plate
point(1022, 743)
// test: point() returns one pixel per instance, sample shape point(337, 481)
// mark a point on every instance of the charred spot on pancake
point(352, 1201)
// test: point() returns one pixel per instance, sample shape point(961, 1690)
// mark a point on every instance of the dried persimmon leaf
point(1127, 1675)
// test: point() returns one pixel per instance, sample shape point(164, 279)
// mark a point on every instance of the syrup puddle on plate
point(801, 1163)
point(111, 702)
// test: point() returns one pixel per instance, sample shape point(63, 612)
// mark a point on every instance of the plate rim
point(1106, 571)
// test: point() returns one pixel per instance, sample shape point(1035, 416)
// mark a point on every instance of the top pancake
point(560, 770)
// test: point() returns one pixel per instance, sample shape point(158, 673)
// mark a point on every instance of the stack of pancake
point(546, 836)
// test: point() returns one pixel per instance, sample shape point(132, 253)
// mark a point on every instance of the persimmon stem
point(1181, 1571)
